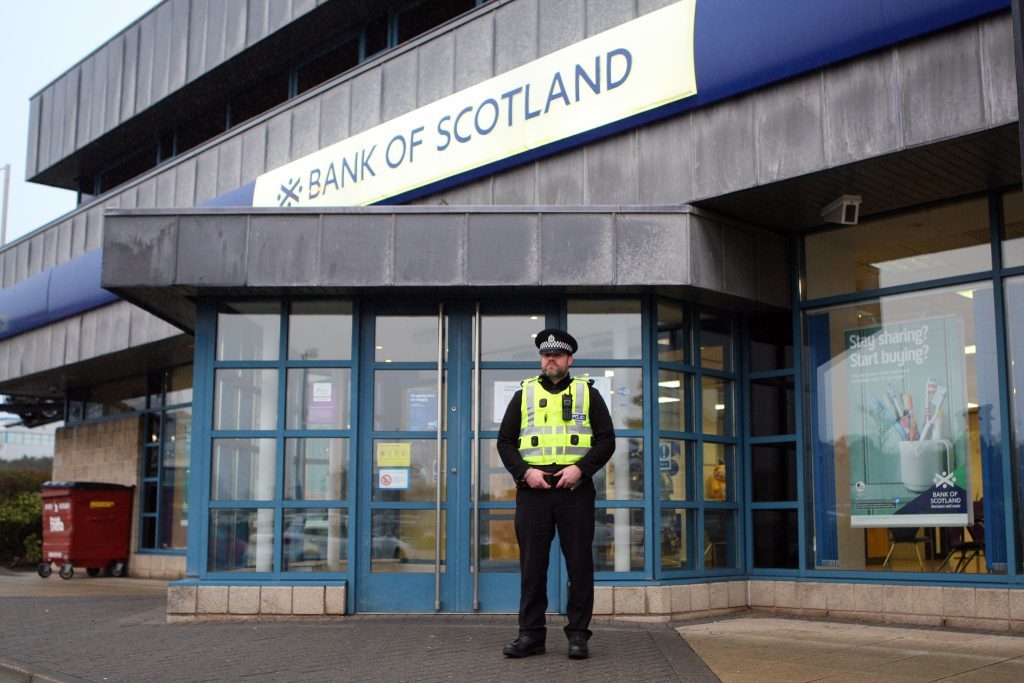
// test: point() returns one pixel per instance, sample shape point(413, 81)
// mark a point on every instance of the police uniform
point(548, 427)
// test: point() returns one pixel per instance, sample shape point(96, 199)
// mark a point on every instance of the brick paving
point(127, 638)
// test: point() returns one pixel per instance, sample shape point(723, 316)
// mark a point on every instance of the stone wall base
point(972, 609)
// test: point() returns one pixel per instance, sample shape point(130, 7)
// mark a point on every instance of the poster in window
point(908, 430)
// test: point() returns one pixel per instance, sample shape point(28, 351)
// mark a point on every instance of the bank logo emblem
point(289, 193)
point(944, 480)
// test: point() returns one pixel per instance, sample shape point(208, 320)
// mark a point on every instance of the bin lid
point(83, 485)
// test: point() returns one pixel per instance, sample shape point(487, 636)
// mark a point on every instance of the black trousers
point(539, 512)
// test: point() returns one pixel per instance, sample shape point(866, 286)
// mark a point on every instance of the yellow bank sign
point(628, 70)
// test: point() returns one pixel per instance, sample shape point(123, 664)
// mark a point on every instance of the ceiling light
point(668, 399)
point(670, 384)
point(970, 349)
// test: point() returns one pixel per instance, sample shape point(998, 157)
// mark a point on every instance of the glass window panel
point(151, 462)
point(716, 341)
point(907, 389)
point(316, 469)
point(772, 407)
point(676, 526)
point(775, 539)
point(320, 330)
point(606, 328)
point(496, 390)
point(913, 247)
point(623, 477)
point(499, 551)
point(421, 18)
point(622, 390)
point(174, 479)
point(408, 463)
point(318, 398)
point(1014, 297)
point(720, 539)
point(153, 433)
point(405, 400)
point(1013, 229)
point(673, 333)
point(245, 399)
point(716, 406)
point(619, 540)
point(315, 540)
point(771, 341)
point(407, 338)
point(328, 65)
point(249, 331)
point(496, 484)
point(672, 467)
point(241, 541)
point(674, 412)
point(773, 472)
point(403, 541)
point(148, 532)
point(179, 385)
point(149, 497)
point(718, 474)
point(510, 337)
point(243, 469)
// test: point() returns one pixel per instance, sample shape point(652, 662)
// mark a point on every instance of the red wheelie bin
point(85, 524)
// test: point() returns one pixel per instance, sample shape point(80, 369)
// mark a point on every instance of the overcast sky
point(40, 40)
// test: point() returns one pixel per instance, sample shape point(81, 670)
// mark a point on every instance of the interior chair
point(965, 551)
point(898, 535)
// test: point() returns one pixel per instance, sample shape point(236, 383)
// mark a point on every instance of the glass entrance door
point(436, 505)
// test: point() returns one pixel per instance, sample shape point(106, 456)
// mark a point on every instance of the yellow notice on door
point(394, 454)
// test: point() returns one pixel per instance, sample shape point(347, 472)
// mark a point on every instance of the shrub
point(21, 517)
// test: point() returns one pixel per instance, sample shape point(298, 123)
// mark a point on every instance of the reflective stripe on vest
point(544, 437)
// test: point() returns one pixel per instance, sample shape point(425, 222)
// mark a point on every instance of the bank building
point(314, 241)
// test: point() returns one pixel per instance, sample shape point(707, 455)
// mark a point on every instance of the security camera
point(845, 210)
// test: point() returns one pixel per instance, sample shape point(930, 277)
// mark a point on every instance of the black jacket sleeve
point(594, 460)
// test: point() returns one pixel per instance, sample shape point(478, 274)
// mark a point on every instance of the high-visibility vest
point(544, 437)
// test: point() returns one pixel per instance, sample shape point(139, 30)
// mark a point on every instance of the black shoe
point(524, 646)
point(578, 647)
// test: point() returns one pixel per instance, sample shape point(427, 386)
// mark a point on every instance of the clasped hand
point(567, 477)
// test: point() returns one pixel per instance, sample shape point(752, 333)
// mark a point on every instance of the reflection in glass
point(318, 398)
point(673, 408)
point(249, 331)
point(243, 469)
point(402, 541)
point(606, 328)
point(673, 334)
point(619, 540)
point(405, 400)
point(410, 470)
point(315, 540)
point(179, 385)
point(913, 247)
point(773, 403)
point(174, 479)
point(315, 469)
point(934, 354)
point(622, 390)
point(720, 539)
point(509, 337)
point(499, 551)
point(623, 477)
point(716, 406)
point(675, 529)
point(241, 541)
point(716, 341)
point(408, 338)
point(672, 468)
point(1013, 229)
point(245, 399)
point(496, 484)
point(1014, 293)
point(717, 472)
point(320, 330)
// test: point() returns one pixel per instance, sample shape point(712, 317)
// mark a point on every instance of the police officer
point(556, 434)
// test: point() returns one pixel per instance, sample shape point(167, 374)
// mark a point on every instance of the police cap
point(555, 341)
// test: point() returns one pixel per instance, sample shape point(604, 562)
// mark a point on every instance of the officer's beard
point(554, 375)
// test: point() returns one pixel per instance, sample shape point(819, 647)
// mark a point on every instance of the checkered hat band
point(560, 345)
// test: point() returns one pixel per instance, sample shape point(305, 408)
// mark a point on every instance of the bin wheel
point(44, 569)
point(93, 571)
point(116, 568)
point(66, 571)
